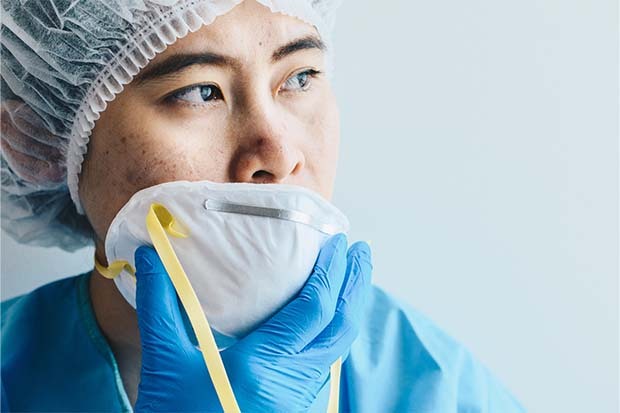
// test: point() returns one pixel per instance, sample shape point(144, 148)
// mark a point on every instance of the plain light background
point(480, 158)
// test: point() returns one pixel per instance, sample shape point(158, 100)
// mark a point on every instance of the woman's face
point(244, 99)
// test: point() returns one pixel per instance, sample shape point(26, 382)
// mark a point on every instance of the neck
point(119, 324)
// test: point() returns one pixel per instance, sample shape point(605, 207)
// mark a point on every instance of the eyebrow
point(181, 61)
point(308, 42)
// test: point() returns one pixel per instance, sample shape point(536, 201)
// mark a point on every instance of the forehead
point(247, 31)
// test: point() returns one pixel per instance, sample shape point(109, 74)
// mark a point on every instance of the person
point(103, 99)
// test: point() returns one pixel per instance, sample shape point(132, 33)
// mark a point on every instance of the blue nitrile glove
point(282, 366)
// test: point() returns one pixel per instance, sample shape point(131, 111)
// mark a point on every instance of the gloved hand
point(280, 367)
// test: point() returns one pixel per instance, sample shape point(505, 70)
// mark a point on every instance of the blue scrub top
point(55, 358)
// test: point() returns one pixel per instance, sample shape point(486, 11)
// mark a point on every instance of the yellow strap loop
point(114, 269)
point(167, 221)
point(159, 221)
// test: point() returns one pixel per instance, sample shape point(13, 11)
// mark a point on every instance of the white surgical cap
point(62, 61)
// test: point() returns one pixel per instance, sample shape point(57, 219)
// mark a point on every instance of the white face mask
point(249, 250)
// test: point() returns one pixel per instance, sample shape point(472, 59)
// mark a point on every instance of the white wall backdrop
point(480, 158)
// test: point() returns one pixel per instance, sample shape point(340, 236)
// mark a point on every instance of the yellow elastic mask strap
point(158, 222)
point(157, 219)
point(334, 386)
point(113, 270)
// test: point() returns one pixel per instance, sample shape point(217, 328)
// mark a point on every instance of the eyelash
point(173, 98)
point(312, 73)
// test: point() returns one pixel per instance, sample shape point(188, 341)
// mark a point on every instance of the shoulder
point(414, 365)
point(36, 305)
point(46, 349)
point(35, 321)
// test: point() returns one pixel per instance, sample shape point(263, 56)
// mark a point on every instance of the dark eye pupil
point(303, 79)
point(206, 92)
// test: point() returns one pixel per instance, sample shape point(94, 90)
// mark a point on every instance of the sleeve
point(403, 362)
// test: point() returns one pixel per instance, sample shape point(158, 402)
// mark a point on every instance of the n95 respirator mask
point(246, 249)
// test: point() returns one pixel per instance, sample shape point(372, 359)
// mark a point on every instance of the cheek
point(324, 131)
point(115, 174)
point(177, 156)
point(151, 164)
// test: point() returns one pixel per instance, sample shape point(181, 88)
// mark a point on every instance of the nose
point(266, 150)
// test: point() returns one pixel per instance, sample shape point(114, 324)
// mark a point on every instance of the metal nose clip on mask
point(247, 249)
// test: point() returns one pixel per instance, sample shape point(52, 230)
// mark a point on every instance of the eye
point(199, 94)
point(300, 81)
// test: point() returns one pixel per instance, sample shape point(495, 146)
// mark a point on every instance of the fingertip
point(146, 259)
point(145, 251)
point(151, 275)
point(339, 241)
point(154, 290)
point(333, 252)
point(339, 257)
point(359, 262)
point(361, 249)
point(340, 253)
